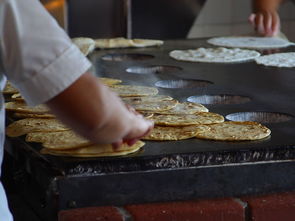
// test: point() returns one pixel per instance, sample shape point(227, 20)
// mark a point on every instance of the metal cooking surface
point(270, 90)
point(177, 170)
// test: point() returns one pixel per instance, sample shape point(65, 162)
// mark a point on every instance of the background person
point(265, 17)
point(230, 17)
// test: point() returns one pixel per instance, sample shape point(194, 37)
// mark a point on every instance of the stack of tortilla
point(177, 121)
point(39, 125)
point(9, 89)
point(173, 120)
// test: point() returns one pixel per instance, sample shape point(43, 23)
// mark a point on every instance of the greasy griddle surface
point(270, 89)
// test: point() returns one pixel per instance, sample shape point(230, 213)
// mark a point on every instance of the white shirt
point(38, 58)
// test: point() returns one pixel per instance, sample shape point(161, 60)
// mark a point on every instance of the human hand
point(99, 115)
point(124, 124)
point(140, 124)
point(266, 23)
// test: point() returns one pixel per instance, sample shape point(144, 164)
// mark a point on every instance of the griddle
point(174, 170)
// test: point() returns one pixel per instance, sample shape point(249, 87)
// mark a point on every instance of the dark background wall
point(161, 19)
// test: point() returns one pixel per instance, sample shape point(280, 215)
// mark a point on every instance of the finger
point(140, 128)
point(267, 23)
point(131, 109)
point(117, 145)
point(251, 19)
point(275, 24)
point(133, 141)
point(259, 24)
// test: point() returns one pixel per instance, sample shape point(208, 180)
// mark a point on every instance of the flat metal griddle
point(186, 169)
point(269, 89)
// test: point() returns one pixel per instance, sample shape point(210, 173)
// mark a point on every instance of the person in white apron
point(39, 59)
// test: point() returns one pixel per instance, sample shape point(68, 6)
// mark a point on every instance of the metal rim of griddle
point(119, 57)
point(219, 99)
point(153, 69)
point(260, 116)
point(183, 83)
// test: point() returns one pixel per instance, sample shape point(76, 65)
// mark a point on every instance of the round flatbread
point(26, 115)
point(155, 106)
point(185, 108)
point(21, 107)
point(233, 131)
point(171, 133)
point(17, 97)
point(110, 81)
point(134, 91)
point(126, 43)
point(278, 60)
point(9, 89)
point(113, 43)
point(250, 42)
point(146, 42)
point(99, 150)
point(28, 125)
point(59, 140)
point(187, 119)
point(214, 55)
point(147, 115)
point(147, 99)
point(86, 45)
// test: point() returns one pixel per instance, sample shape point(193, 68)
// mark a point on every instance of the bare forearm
point(266, 5)
point(95, 112)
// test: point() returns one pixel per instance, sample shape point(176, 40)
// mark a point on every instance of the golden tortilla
point(147, 99)
point(137, 42)
point(233, 131)
point(125, 43)
point(9, 89)
point(187, 119)
point(147, 115)
point(86, 45)
point(134, 91)
point(21, 107)
point(26, 115)
point(17, 97)
point(171, 133)
point(59, 140)
point(28, 125)
point(98, 150)
point(110, 81)
point(185, 108)
point(113, 43)
point(155, 106)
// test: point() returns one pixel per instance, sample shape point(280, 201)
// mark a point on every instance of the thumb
point(140, 128)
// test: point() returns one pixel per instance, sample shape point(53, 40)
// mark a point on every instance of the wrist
point(265, 5)
point(114, 121)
